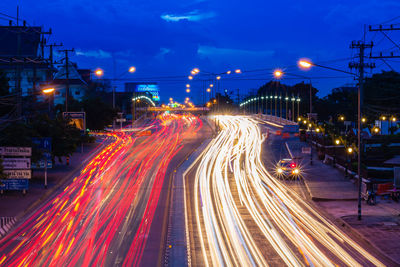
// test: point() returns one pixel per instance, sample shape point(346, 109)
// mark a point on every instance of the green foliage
point(339, 102)
point(381, 94)
point(98, 113)
point(65, 137)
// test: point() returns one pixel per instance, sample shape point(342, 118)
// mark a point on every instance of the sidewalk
point(337, 195)
point(15, 204)
point(323, 182)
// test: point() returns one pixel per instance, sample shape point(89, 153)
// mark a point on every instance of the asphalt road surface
point(104, 217)
point(240, 214)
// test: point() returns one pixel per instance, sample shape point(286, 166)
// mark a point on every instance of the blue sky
point(169, 38)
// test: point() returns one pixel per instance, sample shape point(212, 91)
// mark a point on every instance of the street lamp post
point(307, 64)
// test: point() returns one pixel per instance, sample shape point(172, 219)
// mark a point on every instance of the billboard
point(150, 88)
point(76, 118)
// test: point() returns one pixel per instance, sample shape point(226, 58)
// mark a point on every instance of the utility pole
point(361, 46)
point(51, 56)
point(66, 51)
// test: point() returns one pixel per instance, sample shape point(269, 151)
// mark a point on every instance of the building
point(76, 83)
point(22, 59)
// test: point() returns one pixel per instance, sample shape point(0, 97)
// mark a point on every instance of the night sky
point(169, 38)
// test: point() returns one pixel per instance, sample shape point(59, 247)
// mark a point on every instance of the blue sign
point(43, 144)
point(14, 184)
point(150, 88)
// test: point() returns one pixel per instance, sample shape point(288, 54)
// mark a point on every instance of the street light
point(99, 72)
point(278, 74)
point(48, 91)
point(238, 71)
point(305, 64)
point(132, 69)
point(187, 90)
point(190, 77)
point(337, 142)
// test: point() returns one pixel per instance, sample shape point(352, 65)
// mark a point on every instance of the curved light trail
point(103, 217)
point(231, 181)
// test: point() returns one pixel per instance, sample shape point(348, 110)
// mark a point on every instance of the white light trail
point(297, 233)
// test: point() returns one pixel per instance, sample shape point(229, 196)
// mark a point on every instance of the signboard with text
point(18, 174)
point(16, 163)
point(43, 144)
point(14, 184)
point(16, 151)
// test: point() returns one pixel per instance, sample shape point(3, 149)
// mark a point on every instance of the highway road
point(104, 217)
point(239, 214)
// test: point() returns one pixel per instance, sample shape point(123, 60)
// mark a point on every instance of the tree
point(382, 94)
point(341, 101)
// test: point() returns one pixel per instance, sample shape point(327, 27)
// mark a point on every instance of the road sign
point(121, 120)
point(16, 151)
point(14, 184)
point(44, 144)
point(306, 150)
point(16, 163)
point(41, 163)
point(18, 174)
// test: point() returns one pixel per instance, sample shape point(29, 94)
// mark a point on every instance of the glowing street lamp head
point(187, 90)
point(394, 119)
point(211, 85)
point(218, 78)
point(238, 71)
point(278, 74)
point(350, 150)
point(190, 77)
point(195, 71)
point(187, 85)
point(305, 64)
point(383, 118)
point(171, 99)
point(132, 69)
point(341, 118)
point(99, 72)
point(317, 130)
point(228, 72)
point(337, 141)
point(208, 90)
point(48, 90)
point(363, 120)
